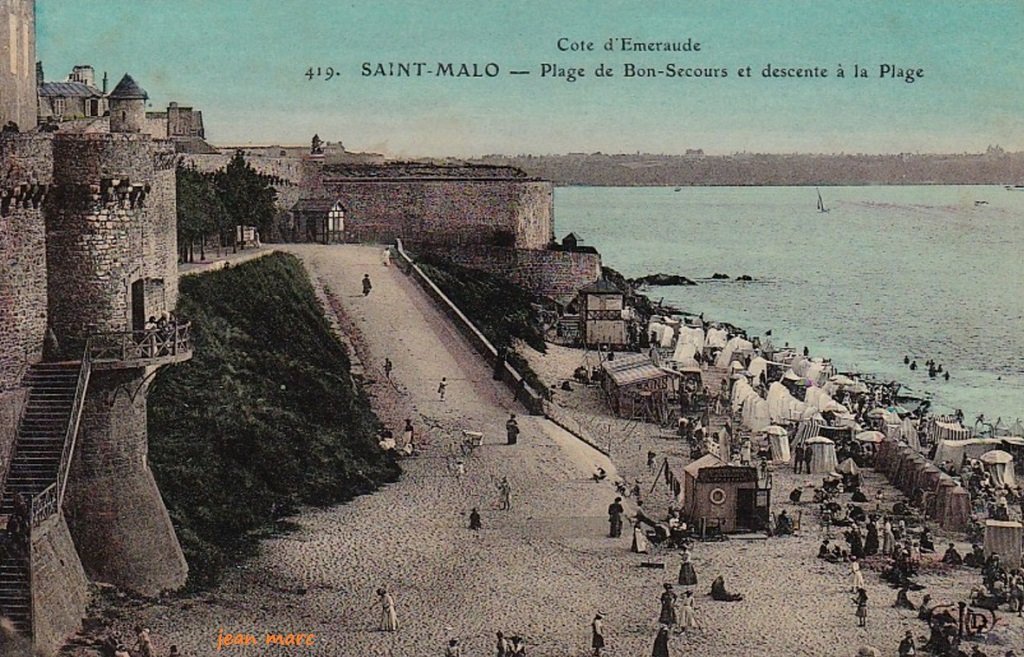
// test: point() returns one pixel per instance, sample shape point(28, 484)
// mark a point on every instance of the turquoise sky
point(243, 62)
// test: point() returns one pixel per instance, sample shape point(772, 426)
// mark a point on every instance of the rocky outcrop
point(662, 279)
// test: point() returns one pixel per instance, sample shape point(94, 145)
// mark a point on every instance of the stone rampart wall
point(60, 590)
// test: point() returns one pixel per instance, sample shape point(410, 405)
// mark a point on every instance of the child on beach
point(862, 607)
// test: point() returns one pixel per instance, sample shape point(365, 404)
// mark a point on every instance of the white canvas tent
point(823, 455)
point(955, 451)
point(716, 337)
point(1004, 538)
point(780, 447)
point(683, 355)
point(999, 465)
point(755, 413)
point(736, 345)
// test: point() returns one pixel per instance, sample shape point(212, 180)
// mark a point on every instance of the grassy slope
point(263, 418)
point(500, 309)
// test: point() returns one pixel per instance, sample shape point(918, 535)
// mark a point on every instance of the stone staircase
point(34, 468)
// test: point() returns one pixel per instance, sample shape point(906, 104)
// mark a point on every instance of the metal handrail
point(71, 435)
point(43, 505)
point(141, 345)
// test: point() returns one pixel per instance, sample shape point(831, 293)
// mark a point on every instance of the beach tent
point(956, 514)
point(683, 355)
point(780, 447)
point(691, 335)
point(936, 506)
point(848, 467)
point(755, 413)
point(999, 465)
point(823, 455)
point(908, 432)
point(947, 431)
point(716, 337)
point(955, 451)
point(741, 391)
point(1004, 538)
point(668, 335)
point(736, 346)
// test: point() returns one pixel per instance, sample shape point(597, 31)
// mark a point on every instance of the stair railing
point(73, 421)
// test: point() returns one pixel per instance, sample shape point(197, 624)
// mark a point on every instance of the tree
point(248, 198)
point(199, 210)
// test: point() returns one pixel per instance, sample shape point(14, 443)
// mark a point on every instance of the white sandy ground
point(540, 570)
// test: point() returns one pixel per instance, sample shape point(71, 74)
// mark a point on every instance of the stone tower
point(18, 99)
point(111, 254)
point(127, 106)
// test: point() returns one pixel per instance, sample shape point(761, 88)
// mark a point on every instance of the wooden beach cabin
point(637, 388)
point(603, 321)
point(725, 497)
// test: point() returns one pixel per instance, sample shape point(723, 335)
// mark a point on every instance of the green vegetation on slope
point(500, 309)
point(263, 418)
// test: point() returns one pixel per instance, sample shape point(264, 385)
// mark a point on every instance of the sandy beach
point(540, 570)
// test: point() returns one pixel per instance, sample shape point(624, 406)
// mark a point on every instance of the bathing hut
point(1004, 538)
point(636, 387)
point(603, 320)
point(718, 494)
point(999, 465)
point(823, 455)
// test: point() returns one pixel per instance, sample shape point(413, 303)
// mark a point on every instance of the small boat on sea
point(1014, 188)
point(977, 203)
point(677, 189)
point(821, 203)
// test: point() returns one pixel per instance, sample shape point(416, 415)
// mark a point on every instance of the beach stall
point(636, 388)
point(823, 455)
point(999, 465)
point(1004, 539)
point(723, 495)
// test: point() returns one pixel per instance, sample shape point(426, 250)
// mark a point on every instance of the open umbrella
point(870, 436)
point(776, 430)
point(841, 380)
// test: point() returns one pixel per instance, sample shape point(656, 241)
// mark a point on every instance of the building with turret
point(88, 259)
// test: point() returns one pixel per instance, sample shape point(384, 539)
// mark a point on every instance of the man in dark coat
point(512, 429)
point(615, 512)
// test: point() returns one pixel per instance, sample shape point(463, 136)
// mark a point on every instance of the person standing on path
point(798, 458)
point(615, 512)
point(441, 387)
point(367, 285)
point(597, 634)
point(856, 577)
point(387, 368)
point(388, 617)
point(862, 607)
point(687, 575)
point(505, 490)
point(661, 643)
point(474, 519)
point(668, 614)
point(503, 649)
point(407, 435)
point(687, 614)
point(512, 429)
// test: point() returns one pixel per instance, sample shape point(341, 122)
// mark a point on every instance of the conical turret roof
point(128, 89)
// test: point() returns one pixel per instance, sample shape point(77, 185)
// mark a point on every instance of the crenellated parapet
point(26, 195)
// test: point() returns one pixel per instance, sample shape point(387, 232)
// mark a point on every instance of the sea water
point(929, 272)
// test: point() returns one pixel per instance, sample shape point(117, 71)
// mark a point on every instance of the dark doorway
point(746, 514)
point(138, 305)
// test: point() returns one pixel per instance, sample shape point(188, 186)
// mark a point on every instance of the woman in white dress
point(856, 577)
point(388, 617)
point(687, 614)
point(640, 544)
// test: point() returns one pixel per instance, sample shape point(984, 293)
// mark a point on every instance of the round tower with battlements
point(111, 259)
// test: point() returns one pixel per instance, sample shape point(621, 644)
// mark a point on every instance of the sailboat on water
point(821, 203)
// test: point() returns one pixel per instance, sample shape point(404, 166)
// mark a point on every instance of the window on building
point(59, 107)
point(336, 218)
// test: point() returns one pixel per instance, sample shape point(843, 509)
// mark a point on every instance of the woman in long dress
point(388, 617)
point(687, 614)
point(687, 575)
point(856, 577)
point(661, 643)
point(597, 635)
point(640, 544)
point(668, 606)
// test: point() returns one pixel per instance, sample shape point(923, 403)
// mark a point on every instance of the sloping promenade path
point(540, 570)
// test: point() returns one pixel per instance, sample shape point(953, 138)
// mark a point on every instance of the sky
point(244, 64)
